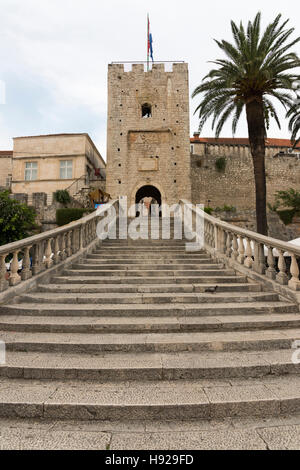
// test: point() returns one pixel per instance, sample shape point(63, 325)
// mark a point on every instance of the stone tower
point(148, 148)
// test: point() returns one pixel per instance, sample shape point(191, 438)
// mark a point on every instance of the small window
point(146, 111)
point(30, 171)
point(66, 169)
point(192, 149)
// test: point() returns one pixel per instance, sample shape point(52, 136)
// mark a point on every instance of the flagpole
point(148, 42)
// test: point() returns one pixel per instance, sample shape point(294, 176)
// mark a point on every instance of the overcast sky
point(54, 55)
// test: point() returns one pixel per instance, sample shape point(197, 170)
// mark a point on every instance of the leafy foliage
point(220, 164)
point(65, 216)
point(16, 219)
point(225, 208)
point(256, 68)
point(289, 198)
point(286, 216)
point(208, 210)
point(62, 196)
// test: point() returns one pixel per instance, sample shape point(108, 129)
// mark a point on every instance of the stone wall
point(235, 185)
point(148, 150)
point(5, 168)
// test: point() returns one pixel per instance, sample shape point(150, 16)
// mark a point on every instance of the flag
point(149, 42)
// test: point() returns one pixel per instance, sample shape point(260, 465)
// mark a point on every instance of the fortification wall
point(235, 185)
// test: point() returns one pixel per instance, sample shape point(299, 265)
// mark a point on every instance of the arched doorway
point(148, 191)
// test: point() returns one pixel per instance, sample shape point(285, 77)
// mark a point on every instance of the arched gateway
point(148, 192)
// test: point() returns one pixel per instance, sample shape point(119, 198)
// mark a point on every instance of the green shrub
point(225, 208)
point(220, 164)
point(16, 220)
point(208, 210)
point(287, 215)
point(62, 196)
point(289, 198)
point(65, 216)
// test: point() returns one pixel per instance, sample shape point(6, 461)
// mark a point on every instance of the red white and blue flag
point(149, 42)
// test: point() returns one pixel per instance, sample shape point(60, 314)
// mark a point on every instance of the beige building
point(46, 163)
point(148, 152)
point(6, 157)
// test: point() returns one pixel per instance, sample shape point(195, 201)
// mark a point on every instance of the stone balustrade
point(40, 252)
point(275, 259)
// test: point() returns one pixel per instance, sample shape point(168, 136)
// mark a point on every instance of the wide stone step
point(147, 298)
point(208, 271)
point(143, 288)
point(144, 243)
point(73, 324)
point(145, 262)
point(167, 250)
point(150, 342)
point(148, 366)
point(104, 255)
point(150, 310)
point(89, 264)
point(119, 281)
point(155, 400)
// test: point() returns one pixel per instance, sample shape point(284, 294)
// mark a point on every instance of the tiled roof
point(240, 141)
point(6, 153)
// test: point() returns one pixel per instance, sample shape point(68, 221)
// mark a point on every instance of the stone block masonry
point(148, 131)
point(235, 185)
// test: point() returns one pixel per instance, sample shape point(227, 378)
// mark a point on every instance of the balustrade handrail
point(29, 241)
point(246, 248)
point(263, 239)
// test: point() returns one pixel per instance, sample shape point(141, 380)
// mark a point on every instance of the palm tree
point(256, 70)
point(294, 115)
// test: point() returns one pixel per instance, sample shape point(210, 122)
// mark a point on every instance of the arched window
point(146, 110)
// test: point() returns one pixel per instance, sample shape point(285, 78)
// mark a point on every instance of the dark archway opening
point(146, 111)
point(148, 191)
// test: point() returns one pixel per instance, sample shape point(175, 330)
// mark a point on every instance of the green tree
point(255, 71)
point(16, 219)
point(289, 198)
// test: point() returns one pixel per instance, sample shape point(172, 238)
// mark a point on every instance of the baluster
point(248, 261)
point(69, 243)
point(235, 251)
point(74, 241)
point(228, 244)
point(63, 246)
point(271, 271)
point(26, 271)
point(294, 282)
point(216, 238)
point(222, 241)
point(36, 262)
point(212, 235)
point(281, 276)
point(48, 253)
point(81, 237)
point(3, 274)
point(14, 278)
point(241, 257)
point(56, 256)
point(259, 265)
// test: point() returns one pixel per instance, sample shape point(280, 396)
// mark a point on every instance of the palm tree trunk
point(256, 129)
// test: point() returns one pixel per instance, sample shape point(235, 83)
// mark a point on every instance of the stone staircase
point(147, 330)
